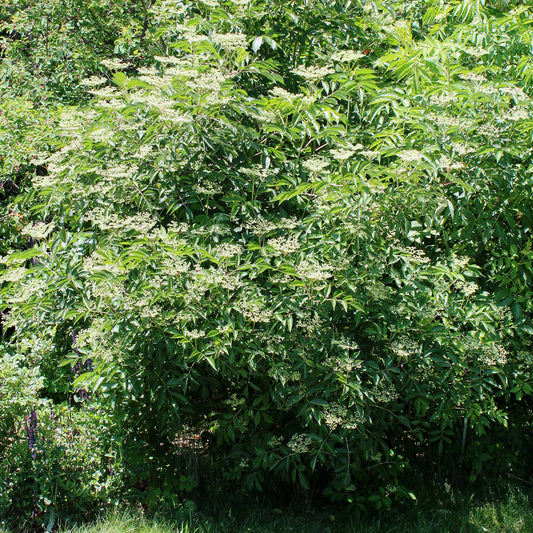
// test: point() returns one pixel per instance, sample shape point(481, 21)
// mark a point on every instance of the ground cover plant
point(441, 509)
point(266, 244)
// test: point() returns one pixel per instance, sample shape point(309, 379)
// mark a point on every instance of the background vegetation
point(273, 246)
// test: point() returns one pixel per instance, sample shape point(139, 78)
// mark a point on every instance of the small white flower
point(411, 156)
point(300, 443)
point(227, 250)
point(285, 245)
point(39, 230)
point(314, 271)
point(313, 73)
point(342, 155)
point(345, 56)
point(315, 164)
point(229, 41)
point(495, 355)
point(115, 64)
point(93, 81)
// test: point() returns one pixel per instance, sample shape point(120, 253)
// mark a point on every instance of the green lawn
point(440, 511)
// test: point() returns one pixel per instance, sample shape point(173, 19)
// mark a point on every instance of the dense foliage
point(299, 230)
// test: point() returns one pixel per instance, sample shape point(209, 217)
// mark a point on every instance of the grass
point(442, 511)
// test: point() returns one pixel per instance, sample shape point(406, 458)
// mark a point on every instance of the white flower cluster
point(92, 336)
point(494, 355)
point(341, 154)
point(411, 156)
point(93, 81)
point(105, 92)
point(189, 34)
point(369, 154)
point(72, 123)
point(178, 227)
point(314, 271)
point(315, 164)
point(152, 77)
point(275, 442)
point(97, 262)
point(344, 56)
point(414, 254)
point(285, 245)
point(206, 278)
point(262, 115)
point(142, 223)
point(282, 375)
point(443, 99)
point(115, 297)
point(213, 229)
point(95, 339)
point(73, 146)
point(307, 100)
point(473, 77)
point(272, 344)
point(337, 415)
point(400, 29)
point(488, 129)
point(449, 121)
point(344, 365)
point(514, 92)
point(203, 280)
point(378, 291)
point(30, 288)
point(173, 116)
point(257, 171)
point(14, 274)
point(227, 250)
point(460, 149)
point(279, 92)
point(517, 113)
point(384, 392)
point(115, 64)
point(38, 230)
point(300, 443)
point(355, 229)
point(193, 334)
point(460, 261)
point(226, 328)
point(230, 41)
point(476, 52)
point(487, 88)
point(8, 259)
point(345, 343)
point(447, 164)
point(102, 135)
point(119, 171)
point(526, 354)
point(143, 151)
point(260, 226)
point(311, 324)
point(210, 81)
point(467, 288)
point(174, 266)
point(255, 312)
point(208, 188)
point(313, 73)
point(404, 346)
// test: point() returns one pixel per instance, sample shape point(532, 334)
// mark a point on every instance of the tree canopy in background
point(300, 229)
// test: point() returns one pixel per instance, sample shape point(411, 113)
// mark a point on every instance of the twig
point(520, 479)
